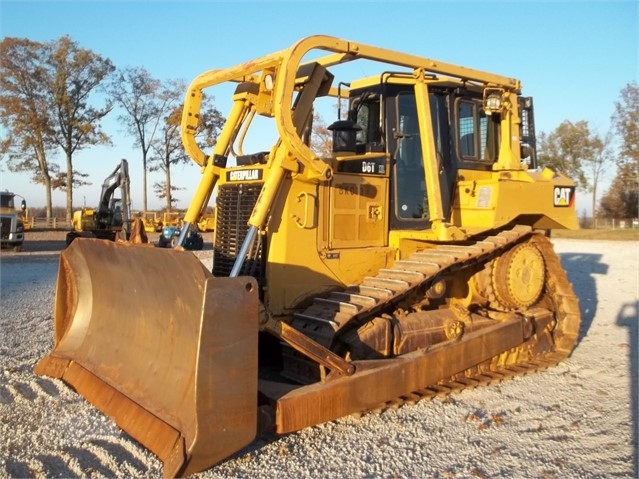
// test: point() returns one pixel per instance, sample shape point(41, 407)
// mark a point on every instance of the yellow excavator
point(412, 259)
point(112, 218)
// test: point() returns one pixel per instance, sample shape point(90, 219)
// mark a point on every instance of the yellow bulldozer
point(413, 258)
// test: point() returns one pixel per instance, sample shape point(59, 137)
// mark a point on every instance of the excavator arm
point(106, 216)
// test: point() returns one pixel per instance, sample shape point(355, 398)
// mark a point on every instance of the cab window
point(368, 121)
point(477, 133)
point(410, 193)
point(6, 201)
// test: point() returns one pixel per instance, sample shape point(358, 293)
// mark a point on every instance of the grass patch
point(598, 234)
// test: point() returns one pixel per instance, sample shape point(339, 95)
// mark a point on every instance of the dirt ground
point(579, 419)
point(55, 241)
point(41, 242)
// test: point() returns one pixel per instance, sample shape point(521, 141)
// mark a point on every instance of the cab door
point(358, 199)
point(409, 200)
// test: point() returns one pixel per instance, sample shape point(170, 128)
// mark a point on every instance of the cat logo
point(564, 196)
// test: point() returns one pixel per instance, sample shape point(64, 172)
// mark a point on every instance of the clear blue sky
point(573, 57)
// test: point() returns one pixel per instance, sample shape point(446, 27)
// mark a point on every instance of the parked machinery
point(112, 217)
point(170, 235)
point(413, 259)
point(12, 221)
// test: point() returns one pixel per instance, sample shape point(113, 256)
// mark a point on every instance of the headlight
point(493, 100)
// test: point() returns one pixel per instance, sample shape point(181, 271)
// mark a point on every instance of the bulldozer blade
point(154, 341)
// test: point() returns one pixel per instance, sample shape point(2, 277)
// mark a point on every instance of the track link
point(325, 317)
point(377, 293)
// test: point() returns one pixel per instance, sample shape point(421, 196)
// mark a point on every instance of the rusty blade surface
point(377, 381)
point(153, 340)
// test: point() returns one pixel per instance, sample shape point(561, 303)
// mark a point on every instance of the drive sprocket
point(518, 276)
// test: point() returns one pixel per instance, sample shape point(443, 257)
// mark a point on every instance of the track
point(326, 318)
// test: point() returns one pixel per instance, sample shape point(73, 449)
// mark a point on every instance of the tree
point(572, 149)
point(167, 148)
point(597, 165)
point(625, 120)
point(73, 75)
point(168, 151)
point(166, 191)
point(321, 137)
point(622, 199)
point(26, 114)
point(567, 149)
point(145, 102)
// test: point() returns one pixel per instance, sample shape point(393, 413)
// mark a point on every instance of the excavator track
point(325, 318)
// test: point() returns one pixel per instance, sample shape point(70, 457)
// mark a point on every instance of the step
point(341, 306)
point(420, 266)
point(361, 300)
point(411, 277)
point(444, 259)
point(394, 285)
point(371, 291)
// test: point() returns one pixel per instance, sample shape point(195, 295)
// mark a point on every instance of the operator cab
point(6, 201)
point(384, 118)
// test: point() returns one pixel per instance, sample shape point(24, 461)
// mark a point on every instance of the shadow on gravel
point(18, 469)
point(23, 273)
point(628, 317)
point(44, 257)
point(89, 462)
point(42, 246)
point(580, 268)
point(119, 453)
point(35, 246)
point(54, 466)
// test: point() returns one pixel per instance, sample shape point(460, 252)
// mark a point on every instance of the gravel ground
point(577, 420)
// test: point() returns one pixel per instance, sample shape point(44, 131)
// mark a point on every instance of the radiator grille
point(6, 228)
point(234, 206)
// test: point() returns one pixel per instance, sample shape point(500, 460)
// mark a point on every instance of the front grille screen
point(234, 206)
point(6, 227)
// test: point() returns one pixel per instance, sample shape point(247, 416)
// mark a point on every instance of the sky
point(573, 57)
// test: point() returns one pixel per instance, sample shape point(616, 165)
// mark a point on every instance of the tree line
point(585, 156)
point(49, 92)
point(54, 97)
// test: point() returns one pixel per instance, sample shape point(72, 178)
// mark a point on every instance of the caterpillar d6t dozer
point(408, 258)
